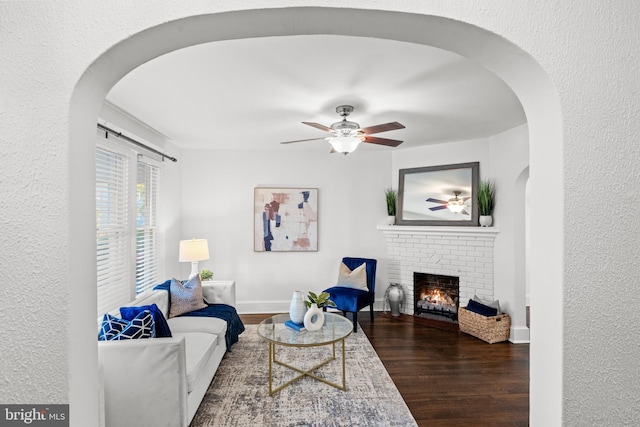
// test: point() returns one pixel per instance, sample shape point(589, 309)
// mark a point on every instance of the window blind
point(113, 240)
point(126, 223)
point(146, 227)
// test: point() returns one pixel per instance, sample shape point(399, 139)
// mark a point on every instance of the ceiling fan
point(455, 204)
point(346, 135)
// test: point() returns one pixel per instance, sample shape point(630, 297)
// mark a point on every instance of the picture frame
point(427, 195)
point(285, 219)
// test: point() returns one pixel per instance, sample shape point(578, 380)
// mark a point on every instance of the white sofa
point(161, 381)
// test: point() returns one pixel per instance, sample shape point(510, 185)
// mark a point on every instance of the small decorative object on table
point(206, 275)
point(314, 318)
point(296, 326)
point(297, 308)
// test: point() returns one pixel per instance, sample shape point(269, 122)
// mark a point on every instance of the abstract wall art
point(285, 219)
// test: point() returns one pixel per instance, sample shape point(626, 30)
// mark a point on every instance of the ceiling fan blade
point(382, 141)
point(318, 126)
point(437, 208)
point(300, 140)
point(436, 201)
point(382, 128)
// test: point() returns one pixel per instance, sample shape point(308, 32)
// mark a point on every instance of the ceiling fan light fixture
point(345, 144)
point(455, 205)
point(346, 135)
point(345, 126)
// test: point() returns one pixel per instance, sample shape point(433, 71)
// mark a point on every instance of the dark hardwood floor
point(448, 377)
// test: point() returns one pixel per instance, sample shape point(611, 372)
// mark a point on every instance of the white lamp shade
point(193, 250)
point(345, 144)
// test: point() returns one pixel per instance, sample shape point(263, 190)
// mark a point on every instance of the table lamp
point(192, 251)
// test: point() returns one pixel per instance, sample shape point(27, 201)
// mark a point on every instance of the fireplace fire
point(436, 296)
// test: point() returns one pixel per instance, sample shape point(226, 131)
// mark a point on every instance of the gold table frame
point(269, 325)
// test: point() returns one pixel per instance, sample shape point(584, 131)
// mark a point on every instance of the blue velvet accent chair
point(350, 300)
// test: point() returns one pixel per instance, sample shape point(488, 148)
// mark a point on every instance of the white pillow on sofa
point(356, 279)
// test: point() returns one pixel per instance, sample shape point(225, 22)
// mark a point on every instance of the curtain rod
point(139, 144)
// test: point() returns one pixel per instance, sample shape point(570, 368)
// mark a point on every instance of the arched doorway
point(520, 72)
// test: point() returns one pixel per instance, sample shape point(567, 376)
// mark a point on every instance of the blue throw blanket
point(222, 311)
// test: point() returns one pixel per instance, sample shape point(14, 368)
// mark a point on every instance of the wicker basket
point(490, 329)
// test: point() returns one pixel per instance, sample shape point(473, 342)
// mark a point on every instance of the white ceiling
point(254, 93)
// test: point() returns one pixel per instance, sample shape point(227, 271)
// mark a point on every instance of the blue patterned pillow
point(141, 326)
point(161, 325)
point(111, 326)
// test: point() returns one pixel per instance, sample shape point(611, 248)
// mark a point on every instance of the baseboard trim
point(519, 335)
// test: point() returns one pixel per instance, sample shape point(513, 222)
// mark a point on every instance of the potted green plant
point(321, 300)
point(206, 275)
point(486, 201)
point(314, 317)
point(391, 197)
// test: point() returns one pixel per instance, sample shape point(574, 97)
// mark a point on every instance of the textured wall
point(602, 231)
point(587, 48)
point(34, 237)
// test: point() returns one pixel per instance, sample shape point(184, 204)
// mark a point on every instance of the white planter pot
point(486, 220)
point(314, 318)
point(391, 220)
point(297, 308)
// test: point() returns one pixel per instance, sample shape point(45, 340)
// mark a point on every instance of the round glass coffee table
point(276, 333)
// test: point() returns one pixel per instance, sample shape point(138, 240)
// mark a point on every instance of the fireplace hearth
point(436, 296)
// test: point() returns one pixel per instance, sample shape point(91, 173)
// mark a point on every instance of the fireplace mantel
point(458, 231)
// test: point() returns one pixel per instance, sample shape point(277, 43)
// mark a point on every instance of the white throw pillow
point(356, 279)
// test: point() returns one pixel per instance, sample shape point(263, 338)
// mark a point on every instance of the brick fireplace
point(462, 252)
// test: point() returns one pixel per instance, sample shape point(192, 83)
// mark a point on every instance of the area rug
point(239, 396)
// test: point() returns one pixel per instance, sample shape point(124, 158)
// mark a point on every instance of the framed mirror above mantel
point(444, 195)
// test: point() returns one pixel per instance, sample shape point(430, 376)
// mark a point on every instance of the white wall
point(217, 204)
point(476, 150)
point(508, 159)
point(170, 214)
